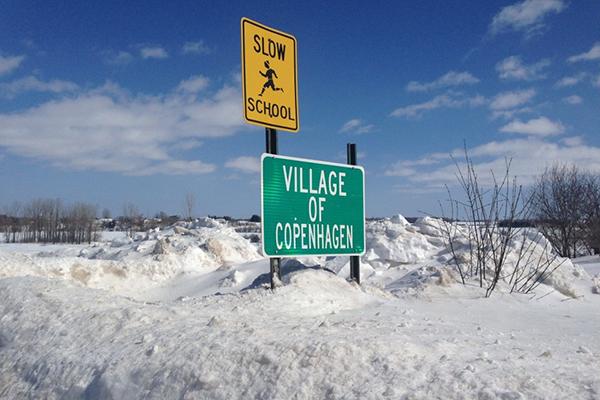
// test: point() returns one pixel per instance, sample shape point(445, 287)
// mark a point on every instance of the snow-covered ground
point(590, 263)
point(185, 313)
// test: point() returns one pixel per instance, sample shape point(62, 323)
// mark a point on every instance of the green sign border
point(262, 205)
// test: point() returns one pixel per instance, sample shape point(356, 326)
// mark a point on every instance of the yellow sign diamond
point(269, 77)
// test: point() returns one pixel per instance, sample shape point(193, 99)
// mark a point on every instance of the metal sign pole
point(354, 260)
point(271, 138)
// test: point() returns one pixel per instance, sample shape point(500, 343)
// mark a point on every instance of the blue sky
point(115, 102)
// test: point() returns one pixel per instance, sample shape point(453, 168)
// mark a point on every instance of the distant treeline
point(53, 221)
point(49, 221)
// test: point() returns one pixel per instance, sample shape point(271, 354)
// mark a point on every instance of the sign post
point(274, 262)
point(269, 88)
point(354, 260)
point(311, 207)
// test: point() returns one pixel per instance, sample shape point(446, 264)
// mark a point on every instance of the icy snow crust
point(184, 313)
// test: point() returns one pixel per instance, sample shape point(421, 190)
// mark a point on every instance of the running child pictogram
point(269, 83)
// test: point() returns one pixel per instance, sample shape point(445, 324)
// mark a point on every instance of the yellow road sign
point(269, 77)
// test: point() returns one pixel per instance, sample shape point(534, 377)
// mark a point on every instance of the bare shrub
point(489, 245)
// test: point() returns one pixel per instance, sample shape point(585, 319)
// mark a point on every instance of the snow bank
point(596, 284)
point(129, 266)
point(317, 292)
point(422, 279)
point(210, 255)
point(65, 341)
point(591, 265)
point(395, 241)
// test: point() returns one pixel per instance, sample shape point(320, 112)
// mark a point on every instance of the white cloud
point(511, 113)
point(411, 167)
point(526, 16)
point(399, 169)
point(592, 54)
point(351, 124)
point(356, 126)
point(245, 164)
point(10, 63)
point(568, 81)
point(198, 47)
point(418, 190)
point(512, 99)
point(541, 126)
point(529, 158)
point(153, 52)
point(193, 84)
point(447, 100)
point(185, 145)
point(451, 78)
point(573, 100)
point(512, 68)
point(365, 128)
point(117, 58)
point(33, 84)
point(597, 81)
point(108, 129)
point(573, 141)
point(176, 167)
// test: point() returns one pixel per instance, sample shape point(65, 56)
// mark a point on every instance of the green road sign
point(311, 207)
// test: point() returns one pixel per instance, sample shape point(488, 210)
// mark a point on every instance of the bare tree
point(591, 225)
point(42, 217)
point(561, 199)
point(190, 204)
point(13, 222)
point(80, 222)
point(133, 218)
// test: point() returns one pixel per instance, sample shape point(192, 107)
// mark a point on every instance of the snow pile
point(431, 226)
point(395, 241)
point(596, 284)
point(414, 258)
point(130, 266)
point(591, 267)
point(317, 292)
point(422, 280)
point(220, 245)
point(564, 278)
point(529, 258)
point(211, 256)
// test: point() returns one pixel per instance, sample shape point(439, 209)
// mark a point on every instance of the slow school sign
point(311, 207)
point(269, 78)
